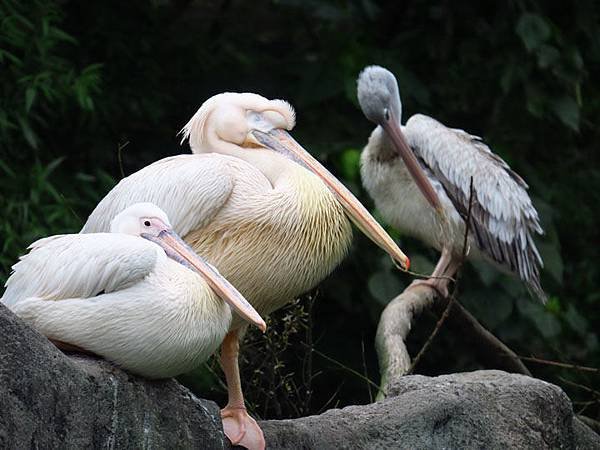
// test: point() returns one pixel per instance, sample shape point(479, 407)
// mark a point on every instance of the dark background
point(93, 89)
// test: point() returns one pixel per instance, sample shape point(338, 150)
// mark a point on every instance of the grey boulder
point(50, 400)
point(486, 409)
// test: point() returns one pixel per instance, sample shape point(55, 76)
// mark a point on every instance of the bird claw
point(440, 286)
point(241, 429)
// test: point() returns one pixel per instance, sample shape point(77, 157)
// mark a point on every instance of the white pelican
point(425, 192)
point(257, 206)
point(128, 296)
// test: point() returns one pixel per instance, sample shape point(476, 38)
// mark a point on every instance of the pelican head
point(140, 218)
point(378, 95)
point(230, 119)
point(379, 99)
point(232, 123)
point(148, 221)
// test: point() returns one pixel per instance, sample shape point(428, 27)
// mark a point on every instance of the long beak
point(280, 141)
point(177, 249)
point(392, 128)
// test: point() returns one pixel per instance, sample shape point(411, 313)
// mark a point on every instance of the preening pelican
point(133, 296)
point(420, 178)
point(257, 206)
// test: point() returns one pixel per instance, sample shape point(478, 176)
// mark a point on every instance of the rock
point(50, 400)
point(484, 409)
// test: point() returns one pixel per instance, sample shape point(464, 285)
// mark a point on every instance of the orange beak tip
point(407, 265)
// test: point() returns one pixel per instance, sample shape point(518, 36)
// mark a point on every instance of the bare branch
point(397, 318)
point(392, 331)
point(560, 364)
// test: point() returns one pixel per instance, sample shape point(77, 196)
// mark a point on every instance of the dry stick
point(580, 386)
point(560, 364)
point(491, 351)
point(364, 362)
point(593, 424)
point(341, 365)
point(120, 148)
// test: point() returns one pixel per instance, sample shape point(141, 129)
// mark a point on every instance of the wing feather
point(503, 218)
point(191, 189)
point(80, 266)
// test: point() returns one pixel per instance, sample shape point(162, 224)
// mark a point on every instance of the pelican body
point(258, 207)
point(128, 296)
point(419, 176)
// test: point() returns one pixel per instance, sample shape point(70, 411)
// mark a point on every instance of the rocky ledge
point(50, 400)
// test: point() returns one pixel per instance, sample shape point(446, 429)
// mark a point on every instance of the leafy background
point(94, 90)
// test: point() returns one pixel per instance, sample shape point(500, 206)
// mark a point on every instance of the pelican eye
point(147, 223)
point(386, 113)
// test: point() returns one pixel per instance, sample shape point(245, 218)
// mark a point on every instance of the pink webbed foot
point(440, 285)
point(241, 429)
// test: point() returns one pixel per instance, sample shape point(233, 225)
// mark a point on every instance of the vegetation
point(86, 85)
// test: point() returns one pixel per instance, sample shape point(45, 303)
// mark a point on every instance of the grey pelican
point(419, 176)
point(258, 207)
point(138, 296)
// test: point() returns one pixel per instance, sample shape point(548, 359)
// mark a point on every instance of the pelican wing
point(191, 189)
point(503, 218)
point(80, 266)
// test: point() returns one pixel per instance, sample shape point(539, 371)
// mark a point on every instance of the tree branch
point(394, 325)
point(397, 318)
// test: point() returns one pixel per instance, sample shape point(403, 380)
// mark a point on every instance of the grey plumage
point(503, 219)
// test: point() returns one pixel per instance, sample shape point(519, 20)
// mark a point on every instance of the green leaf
point(30, 94)
point(547, 56)
point(567, 111)
point(421, 264)
point(491, 310)
point(576, 321)
point(28, 132)
point(533, 30)
point(350, 164)
point(546, 323)
point(553, 263)
point(384, 286)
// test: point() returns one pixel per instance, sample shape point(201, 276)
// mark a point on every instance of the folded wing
point(503, 219)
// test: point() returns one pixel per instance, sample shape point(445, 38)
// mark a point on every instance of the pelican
point(128, 296)
point(420, 178)
point(258, 207)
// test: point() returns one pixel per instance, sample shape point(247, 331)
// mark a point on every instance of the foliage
point(81, 80)
point(37, 80)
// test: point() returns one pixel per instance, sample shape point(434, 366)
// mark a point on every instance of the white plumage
point(121, 297)
point(257, 206)
point(503, 219)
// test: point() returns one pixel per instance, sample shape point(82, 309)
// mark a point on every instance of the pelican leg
point(239, 427)
point(439, 279)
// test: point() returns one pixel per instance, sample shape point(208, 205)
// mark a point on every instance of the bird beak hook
point(281, 141)
point(392, 129)
point(178, 250)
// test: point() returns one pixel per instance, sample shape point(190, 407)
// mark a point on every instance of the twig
point(120, 148)
point(560, 364)
point(364, 362)
point(593, 424)
point(349, 369)
point(491, 351)
point(432, 336)
point(580, 386)
point(336, 392)
point(65, 203)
